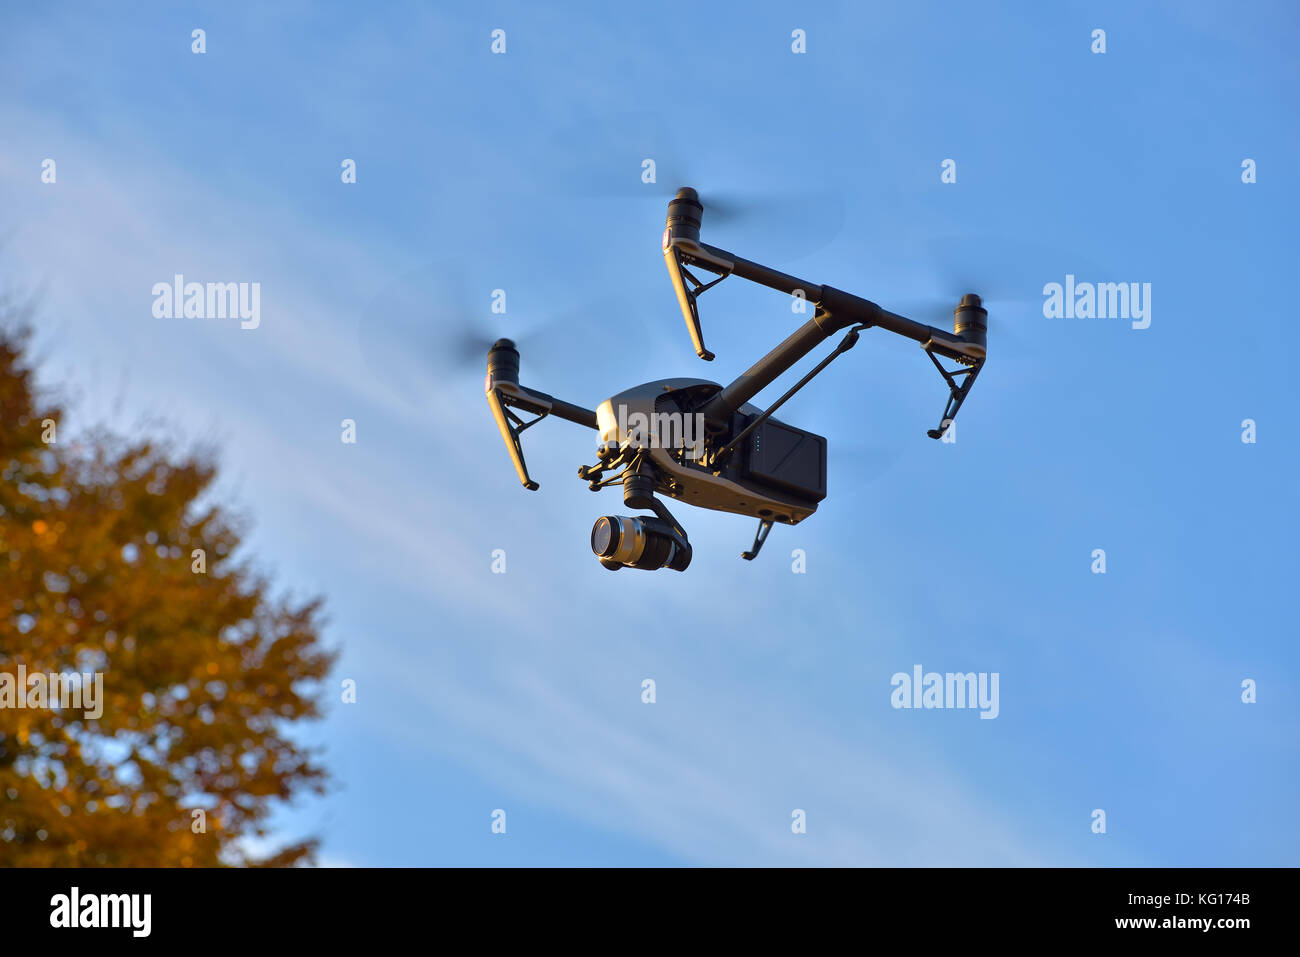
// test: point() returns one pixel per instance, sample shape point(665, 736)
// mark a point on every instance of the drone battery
point(787, 458)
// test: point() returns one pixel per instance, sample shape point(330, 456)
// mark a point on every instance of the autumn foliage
point(114, 559)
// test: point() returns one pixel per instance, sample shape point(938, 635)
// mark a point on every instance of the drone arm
point(844, 309)
point(539, 403)
point(682, 247)
point(567, 410)
point(847, 343)
point(766, 370)
point(505, 396)
point(837, 310)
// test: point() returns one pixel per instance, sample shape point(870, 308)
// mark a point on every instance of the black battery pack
point(788, 459)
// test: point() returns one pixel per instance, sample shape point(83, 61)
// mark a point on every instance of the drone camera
point(620, 541)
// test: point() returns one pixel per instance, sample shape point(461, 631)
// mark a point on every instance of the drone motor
point(970, 321)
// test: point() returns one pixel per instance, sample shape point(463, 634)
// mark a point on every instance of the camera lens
point(604, 536)
point(646, 543)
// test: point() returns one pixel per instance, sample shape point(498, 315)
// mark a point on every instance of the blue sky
point(478, 171)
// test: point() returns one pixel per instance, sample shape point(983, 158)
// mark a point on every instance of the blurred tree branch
point(111, 562)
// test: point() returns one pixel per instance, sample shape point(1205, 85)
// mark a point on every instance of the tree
point(114, 561)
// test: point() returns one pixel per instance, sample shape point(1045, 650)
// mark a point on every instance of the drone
point(702, 443)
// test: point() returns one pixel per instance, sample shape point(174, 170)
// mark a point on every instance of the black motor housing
point(970, 320)
point(685, 215)
point(503, 362)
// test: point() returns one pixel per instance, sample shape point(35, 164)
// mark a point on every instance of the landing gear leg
point(764, 526)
